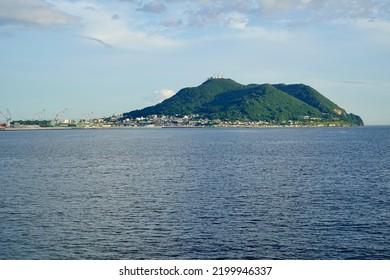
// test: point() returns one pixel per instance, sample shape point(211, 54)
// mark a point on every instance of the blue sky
point(110, 57)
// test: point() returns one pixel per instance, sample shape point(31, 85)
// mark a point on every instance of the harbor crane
point(86, 117)
point(58, 117)
point(7, 116)
point(39, 115)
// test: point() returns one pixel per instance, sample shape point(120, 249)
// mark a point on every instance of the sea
point(206, 193)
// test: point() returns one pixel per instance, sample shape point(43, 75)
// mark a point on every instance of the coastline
point(170, 127)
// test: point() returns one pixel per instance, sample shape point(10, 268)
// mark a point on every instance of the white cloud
point(27, 12)
point(119, 35)
point(330, 8)
point(234, 20)
point(118, 25)
point(205, 12)
point(151, 24)
point(165, 93)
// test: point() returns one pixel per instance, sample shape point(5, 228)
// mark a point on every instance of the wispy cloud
point(95, 40)
point(32, 12)
point(288, 11)
point(198, 12)
point(116, 24)
point(150, 24)
point(153, 7)
point(358, 82)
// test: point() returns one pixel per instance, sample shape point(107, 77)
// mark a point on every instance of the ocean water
point(302, 193)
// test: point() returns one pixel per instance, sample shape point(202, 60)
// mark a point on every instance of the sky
point(111, 57)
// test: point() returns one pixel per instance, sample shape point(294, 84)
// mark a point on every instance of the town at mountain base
point(224, 102)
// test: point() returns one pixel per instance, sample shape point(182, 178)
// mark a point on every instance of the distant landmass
point(226, 100)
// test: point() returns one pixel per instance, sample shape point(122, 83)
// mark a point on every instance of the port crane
point(86, 117)
point(7, 116)
point(39, 115)
point(58, 117)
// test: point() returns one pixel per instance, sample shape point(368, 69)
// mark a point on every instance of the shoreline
point(164, 127)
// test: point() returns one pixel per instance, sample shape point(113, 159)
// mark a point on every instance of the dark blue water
point(320, 193)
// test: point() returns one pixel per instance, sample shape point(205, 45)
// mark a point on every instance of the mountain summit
point(225, 99)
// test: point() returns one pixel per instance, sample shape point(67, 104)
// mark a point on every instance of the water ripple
point(196, 194)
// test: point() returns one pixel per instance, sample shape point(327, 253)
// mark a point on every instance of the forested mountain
point(225, 99)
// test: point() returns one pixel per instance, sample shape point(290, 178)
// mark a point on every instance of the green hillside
point(226, 99)
point(260, 102)
point(190, 100)
point(312, 97)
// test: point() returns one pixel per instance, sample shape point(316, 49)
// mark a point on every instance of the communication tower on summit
point(215, 77)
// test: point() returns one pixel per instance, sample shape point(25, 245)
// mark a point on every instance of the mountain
point(225, 99)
